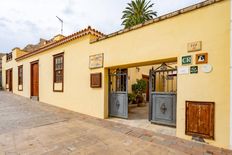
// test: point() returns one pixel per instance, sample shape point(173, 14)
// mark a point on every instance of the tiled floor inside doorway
point(138, 117)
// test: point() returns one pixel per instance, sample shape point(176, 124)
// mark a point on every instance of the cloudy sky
point(25, 21)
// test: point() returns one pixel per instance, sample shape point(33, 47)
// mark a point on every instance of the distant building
point(1, 55)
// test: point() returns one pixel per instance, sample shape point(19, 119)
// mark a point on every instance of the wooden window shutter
point(95, 80)
point(200, 119)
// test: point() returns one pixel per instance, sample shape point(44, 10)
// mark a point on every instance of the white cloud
point(25, 21)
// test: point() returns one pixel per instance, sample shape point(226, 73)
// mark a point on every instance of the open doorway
point(144, 96)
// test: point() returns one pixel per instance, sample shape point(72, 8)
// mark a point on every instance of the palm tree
point(138, 11)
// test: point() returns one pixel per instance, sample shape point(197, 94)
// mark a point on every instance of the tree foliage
point(138, 11)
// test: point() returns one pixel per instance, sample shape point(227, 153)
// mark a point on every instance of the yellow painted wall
point(77, 95)
point(165, 40)
point(134, 74)
point(20, 53)
point(12, 65)
point(168, 39)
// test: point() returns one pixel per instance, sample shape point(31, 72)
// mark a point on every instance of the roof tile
point(69, 38)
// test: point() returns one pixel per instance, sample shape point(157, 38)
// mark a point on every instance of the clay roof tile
point(64, 40)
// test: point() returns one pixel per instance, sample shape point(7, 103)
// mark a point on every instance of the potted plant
point(131, 98)
point(138, 89)
point(131, 101)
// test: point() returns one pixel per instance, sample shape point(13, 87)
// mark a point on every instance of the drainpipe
point(230, 75)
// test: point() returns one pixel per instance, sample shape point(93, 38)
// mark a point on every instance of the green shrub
point(131, 98)
point(139, 87)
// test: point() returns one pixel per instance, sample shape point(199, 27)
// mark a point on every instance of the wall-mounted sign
point(95, 80)
point(202, 58)
point(207, 68)
point(183, 70)
point(96, 61)
point(193, 69)
point(186, 60)
point(195, 46)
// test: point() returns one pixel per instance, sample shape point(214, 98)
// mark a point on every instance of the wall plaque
point(202, 58)
point(195, 46)
point(186, 60)
point(96, 61)
point(207, 68)
point(193, 69)
point(95, 80)
point(183, 70)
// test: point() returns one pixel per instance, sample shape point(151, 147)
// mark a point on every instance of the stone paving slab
point(34, 128)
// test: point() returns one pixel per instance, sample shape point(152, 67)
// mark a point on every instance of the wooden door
point(10, 79)
point(200, 119)
point(35, 79)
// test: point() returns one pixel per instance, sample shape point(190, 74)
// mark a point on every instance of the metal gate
point(163, 88)
point(118, 93)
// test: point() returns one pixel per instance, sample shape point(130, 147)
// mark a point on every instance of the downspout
point(230, 75)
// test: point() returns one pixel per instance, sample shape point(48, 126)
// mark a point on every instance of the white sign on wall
point(194, 46)
point(207, 68)
point(183, 70)
point(96, 61)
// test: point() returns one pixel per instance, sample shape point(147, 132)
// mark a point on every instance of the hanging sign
point(96, 61)
point(193, 69)
point(195, 46)
point(186, 60)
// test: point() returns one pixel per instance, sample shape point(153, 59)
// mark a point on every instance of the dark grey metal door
point(163, 88)
point(118, 94)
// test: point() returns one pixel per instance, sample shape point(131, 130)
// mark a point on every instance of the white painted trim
point(230, 75)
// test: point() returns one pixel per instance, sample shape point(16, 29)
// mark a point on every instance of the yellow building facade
point(162, 40)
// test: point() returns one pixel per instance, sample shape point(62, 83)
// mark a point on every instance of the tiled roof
point(161, 18)
point(69, 38)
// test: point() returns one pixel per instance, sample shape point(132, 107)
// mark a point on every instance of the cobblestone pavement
point(29, 127)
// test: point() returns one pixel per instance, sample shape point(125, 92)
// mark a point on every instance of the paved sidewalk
point(29, 127)
point(138, 117)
